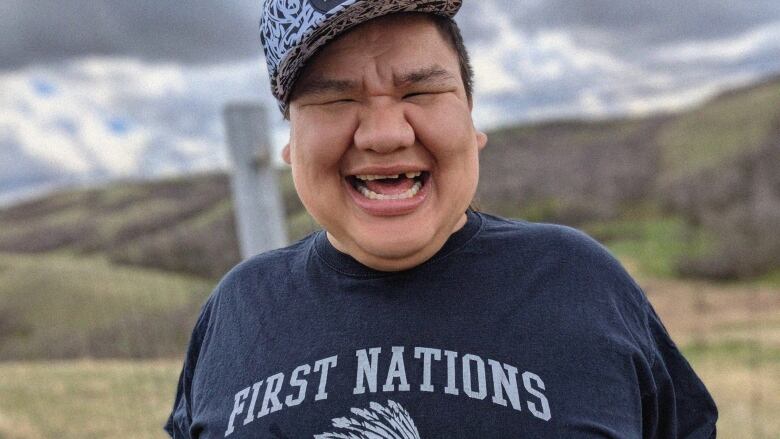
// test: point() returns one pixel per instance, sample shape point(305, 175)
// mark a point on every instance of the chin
point(394, 250)
point(393, 247)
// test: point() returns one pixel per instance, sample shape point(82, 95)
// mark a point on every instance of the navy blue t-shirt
point(512, 330)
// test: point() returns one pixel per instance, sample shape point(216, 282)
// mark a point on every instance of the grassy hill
point(734, 124)
point(109, 280)
point(711, 171)
point(61, 306)
point(570, 171)
point(183, 224)
point(610, 166)
point(685, 169)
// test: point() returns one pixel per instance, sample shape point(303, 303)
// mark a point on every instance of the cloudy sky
point(102, 89)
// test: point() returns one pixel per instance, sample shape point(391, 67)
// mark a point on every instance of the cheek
point(446, 131)
point(316, 156)
point(318, 151)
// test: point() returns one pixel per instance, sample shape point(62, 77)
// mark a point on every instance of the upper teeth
point(369, 177)
point(412, 191)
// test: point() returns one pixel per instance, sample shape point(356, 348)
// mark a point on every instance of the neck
point(384, 262)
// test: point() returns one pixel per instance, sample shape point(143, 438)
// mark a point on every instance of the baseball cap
point(291, 31)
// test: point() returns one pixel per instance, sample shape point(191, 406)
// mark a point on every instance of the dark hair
point(450, 31)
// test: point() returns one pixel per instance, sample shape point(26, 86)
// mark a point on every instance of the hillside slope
point(694, 166)
point(182, 224)
point(715, 167)
point(575, 171)
point(570, 171)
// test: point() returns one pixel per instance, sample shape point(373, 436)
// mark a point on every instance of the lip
point(386, 170)
point(387, 207)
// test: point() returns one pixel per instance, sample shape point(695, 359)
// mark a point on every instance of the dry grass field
point(85, 399)
point(731, 336)
point(730, 333)
point(64, 306)
point(88, 276)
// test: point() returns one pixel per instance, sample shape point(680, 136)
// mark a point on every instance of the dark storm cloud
point(197, 31)
point(475, 22)
point(628, 25)
point(200, 31)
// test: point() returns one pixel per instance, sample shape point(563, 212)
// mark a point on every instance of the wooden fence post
point(257, 201)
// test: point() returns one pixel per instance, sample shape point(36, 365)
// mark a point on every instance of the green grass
point(719, 130)
point(70, 217)
point(654, 244)
point(747, 352)
point(60, 306)
point(120, 194)
point(86, 399)
point(300, 225)
point(617, 130)
point(136, 213)
point(537, 210)
point(572, 132)
point(219, 210)
point(770, 279)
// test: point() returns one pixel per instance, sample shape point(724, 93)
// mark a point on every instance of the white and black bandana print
point(291, 31)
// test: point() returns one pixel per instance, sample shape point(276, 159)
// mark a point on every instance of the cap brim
point(346, 17)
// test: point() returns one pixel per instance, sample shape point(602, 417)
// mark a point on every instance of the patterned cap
point(293, 30)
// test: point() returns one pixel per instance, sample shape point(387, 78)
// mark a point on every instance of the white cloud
point(118, 76)
point(487, 115)
point(97, 118)
point(682, 97)
point(549, 73)
point(592, 103)
point(96, 134)
point(489, 57)
point(763, 38)
point(25, 117)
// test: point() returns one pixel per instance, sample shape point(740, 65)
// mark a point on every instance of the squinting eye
point(411, 95)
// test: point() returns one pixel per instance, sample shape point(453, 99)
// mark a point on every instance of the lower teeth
point(368, 193)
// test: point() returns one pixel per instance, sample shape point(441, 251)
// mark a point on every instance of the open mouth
point(389, 187)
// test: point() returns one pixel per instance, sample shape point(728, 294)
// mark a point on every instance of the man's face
point(383, 150)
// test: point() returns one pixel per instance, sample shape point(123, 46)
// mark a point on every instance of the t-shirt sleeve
point(178, 424)
point(680, 405)
point(675, 402)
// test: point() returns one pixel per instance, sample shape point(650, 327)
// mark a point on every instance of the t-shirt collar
point(346, 264)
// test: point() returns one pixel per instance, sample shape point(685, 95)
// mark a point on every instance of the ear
point(481, 140)
point(286, 154)
point(481, 137)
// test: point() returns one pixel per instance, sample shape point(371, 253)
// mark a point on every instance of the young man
point(411, 316)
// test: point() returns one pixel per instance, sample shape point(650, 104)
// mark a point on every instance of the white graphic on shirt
point(391, 422)
point(443, 371)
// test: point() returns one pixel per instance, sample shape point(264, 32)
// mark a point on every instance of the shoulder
point(246, 286)
point(572, 269)
point(547, 242)
point(263, 272)
point(266, 265)
point(508, 227)
point(585, 263)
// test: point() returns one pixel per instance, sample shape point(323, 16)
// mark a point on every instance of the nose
point(383, 127)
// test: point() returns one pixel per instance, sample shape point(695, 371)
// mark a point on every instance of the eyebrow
point(325, 85)
point(427, 75)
